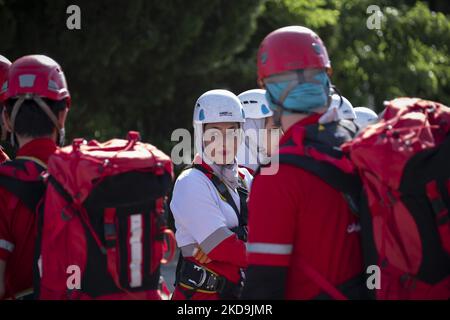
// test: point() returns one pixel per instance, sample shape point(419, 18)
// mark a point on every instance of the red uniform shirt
point(17, 226)
point(292, 215)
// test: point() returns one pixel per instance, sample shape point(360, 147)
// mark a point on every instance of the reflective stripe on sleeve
point(269, 248)
point(6, 245)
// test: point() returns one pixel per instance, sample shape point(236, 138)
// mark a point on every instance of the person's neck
point(288, 120)
point(24, 140)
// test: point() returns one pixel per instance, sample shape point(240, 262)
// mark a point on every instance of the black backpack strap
point(28, 192)
point(425, 194)
point(243, 196)
point(37, 253)
point(327, 139)
point(241, 231)
point(60, 189)
point(348, 184)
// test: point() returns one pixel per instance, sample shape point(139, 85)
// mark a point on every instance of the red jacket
point(295, 216)
point(17, 226)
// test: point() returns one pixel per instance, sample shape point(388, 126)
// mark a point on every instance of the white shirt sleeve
point(194, 206)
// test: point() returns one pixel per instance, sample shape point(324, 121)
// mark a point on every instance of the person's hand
point(200, 256)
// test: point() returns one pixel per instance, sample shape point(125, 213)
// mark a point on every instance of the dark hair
point(31, 121)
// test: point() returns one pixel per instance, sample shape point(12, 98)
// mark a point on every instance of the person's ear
point(330, 72)
point(260, 84)
point(267, 122)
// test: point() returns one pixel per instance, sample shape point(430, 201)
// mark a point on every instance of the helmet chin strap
point(277, 113)
point(294, 78)
point(44, 107)
point(280, 108)
point(61, 137)
point(14, 113)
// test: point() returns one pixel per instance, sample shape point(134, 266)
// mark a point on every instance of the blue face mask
point(304, 97)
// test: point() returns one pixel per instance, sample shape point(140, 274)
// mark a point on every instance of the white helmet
point(255, 104)
point(338, 110)
point(252, 152)
point(212, 107)
point(364, 117)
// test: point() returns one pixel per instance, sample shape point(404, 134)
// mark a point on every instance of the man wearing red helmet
point(36, 102)
point(4, 67)
point(304, 243)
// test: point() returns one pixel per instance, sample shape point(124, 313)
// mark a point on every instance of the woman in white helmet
point(261, 136)
point(209, 204)
point(340, 109)
point(365, 117)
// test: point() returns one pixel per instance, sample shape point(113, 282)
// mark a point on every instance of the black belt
point(197, 278)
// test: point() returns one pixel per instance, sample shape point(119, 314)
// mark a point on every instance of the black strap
point(354, 289)
point(223, 190)
point(327, 139)
point(243, 196)
point(28, 192)
point(348, 184)
point(332, 175)
point(444, 204)
point(60, 189)
point(37, 253)
point(197, 277)
point(187, 293)
point(40, 223)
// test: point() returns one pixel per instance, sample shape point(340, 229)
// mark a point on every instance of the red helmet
point(37, 75)
point(291, 48)
point(4, 67)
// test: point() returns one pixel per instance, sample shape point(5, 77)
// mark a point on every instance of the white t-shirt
point(198, 209)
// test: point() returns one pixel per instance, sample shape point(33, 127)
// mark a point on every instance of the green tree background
point(141, 64)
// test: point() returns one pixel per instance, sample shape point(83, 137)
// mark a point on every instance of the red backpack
point(403, 162)
point(395, 176)
point(101, 227)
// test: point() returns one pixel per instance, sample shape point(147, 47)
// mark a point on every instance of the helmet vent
point(52, 85)
point(27, 80)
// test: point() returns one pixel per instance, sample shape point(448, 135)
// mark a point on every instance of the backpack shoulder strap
point(15, 176)
point(348, 184)
point(327, 139)
point(243, 197)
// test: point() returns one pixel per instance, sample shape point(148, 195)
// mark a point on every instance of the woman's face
point(272, 136)
point(221, 141)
